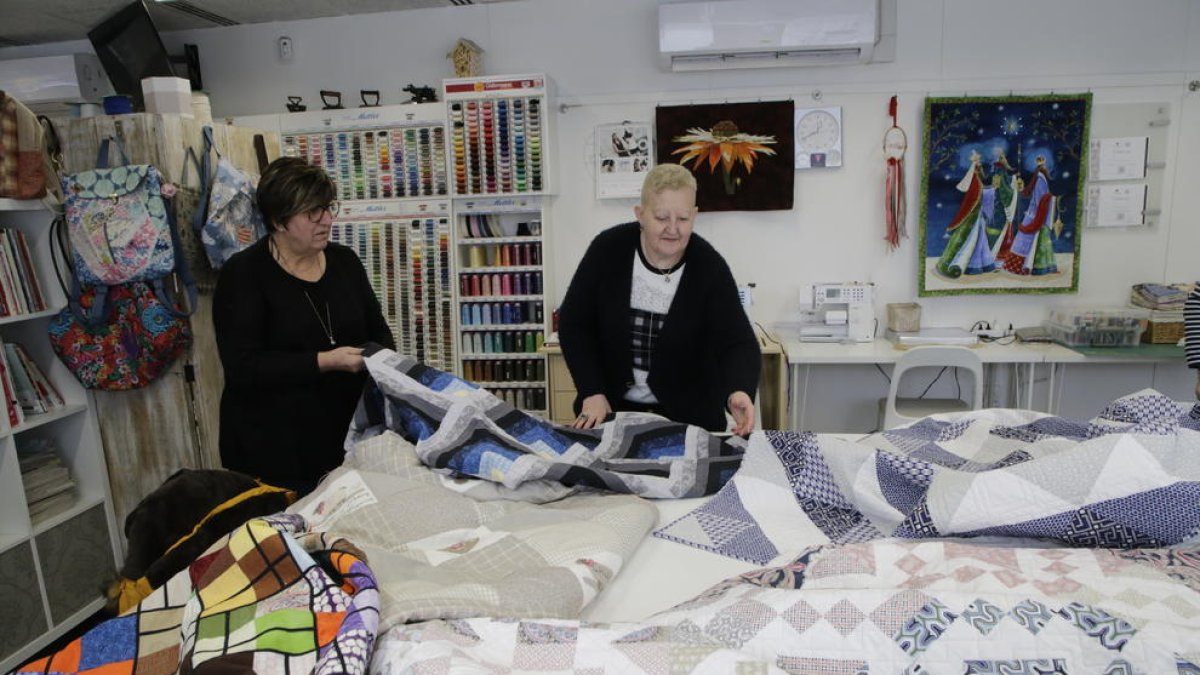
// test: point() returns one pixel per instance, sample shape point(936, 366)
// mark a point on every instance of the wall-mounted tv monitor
point(130, 48)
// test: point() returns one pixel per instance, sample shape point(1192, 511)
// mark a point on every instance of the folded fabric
point(1128, 479)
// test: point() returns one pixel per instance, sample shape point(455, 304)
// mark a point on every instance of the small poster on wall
point(1002, 199)
point(741, 153)
point(622, 159)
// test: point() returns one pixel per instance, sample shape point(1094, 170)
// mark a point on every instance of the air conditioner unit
point(48, 83)
point(725, 34)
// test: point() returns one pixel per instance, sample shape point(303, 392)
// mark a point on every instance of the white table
point(802, 356)
point(1162, 358)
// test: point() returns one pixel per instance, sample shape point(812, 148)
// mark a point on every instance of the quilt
point(889, 606)
point(1129, 478)
point(443, 547)
point(255, 601)
point(460, 429)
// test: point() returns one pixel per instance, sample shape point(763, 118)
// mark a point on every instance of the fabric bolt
point(282, 419)
point(707, 349)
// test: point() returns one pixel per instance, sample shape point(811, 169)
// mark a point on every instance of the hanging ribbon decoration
point(895, 142)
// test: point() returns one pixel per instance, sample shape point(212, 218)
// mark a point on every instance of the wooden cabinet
point(53, 565)
point(562, 387)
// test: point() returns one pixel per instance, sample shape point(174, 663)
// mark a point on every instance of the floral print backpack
point(121, 329)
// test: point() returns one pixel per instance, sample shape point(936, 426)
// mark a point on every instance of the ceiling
point(29, 22)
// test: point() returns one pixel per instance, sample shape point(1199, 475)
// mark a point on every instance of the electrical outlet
point(991, 333)
point(285, 48)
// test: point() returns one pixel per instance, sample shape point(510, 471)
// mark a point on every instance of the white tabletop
point(884, 351)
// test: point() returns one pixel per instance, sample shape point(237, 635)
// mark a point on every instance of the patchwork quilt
point(879, 607)
point(461, 429)
point(438, 551)
point(1128, 479)
point(256, 601)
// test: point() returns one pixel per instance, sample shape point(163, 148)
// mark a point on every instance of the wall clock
point(818, 137)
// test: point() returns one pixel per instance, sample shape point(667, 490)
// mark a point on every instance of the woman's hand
point(348, 359)
point(594, 410)
point(741, 406)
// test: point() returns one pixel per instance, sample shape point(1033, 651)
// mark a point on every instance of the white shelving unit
point(497, 151)
point(501, 297)
point(51, 570)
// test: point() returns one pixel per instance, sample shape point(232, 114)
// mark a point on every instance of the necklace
point(664, 272)
point(327, 323)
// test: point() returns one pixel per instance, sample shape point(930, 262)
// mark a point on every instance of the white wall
point(602, 59)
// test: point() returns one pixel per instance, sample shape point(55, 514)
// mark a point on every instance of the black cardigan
point(707, 349)
point(283, 419)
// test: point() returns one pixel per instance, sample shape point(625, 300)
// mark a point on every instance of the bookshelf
point(72, 550)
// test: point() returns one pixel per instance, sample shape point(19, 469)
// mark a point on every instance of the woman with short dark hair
point(291, 313)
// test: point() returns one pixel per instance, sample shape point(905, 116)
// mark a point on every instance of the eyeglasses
point(314, 214)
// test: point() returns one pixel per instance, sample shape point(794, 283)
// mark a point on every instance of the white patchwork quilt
point(991, 542)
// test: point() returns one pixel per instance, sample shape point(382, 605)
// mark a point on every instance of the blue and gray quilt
point(460, 429)
point(1127, 479)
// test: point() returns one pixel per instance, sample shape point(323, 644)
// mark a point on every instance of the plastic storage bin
point(1097, 327)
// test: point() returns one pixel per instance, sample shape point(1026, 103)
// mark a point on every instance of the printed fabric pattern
point(117, 223)
point(140, 339)
point(233, 221)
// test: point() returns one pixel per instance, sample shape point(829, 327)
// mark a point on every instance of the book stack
point(20, 292)
point(49, 488)
point(27, 390)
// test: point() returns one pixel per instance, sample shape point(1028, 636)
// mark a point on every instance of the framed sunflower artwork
point(742, 154)
point(1002, 194)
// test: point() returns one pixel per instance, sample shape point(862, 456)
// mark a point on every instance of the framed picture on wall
point(1002, 194)
point(741, 153)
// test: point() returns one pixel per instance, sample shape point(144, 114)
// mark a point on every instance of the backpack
point(117, 222)
point(120, 225)
point(230, 220)
point(120, 329)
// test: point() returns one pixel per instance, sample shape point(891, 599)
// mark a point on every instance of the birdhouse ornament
point(467, 57)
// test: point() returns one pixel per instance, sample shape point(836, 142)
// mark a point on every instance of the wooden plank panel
point(150, 433)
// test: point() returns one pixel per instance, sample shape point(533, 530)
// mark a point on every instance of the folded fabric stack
point(1167, 297)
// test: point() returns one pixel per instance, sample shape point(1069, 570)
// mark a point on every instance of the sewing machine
point(840, 312)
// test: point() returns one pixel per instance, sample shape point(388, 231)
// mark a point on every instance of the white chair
point(895, 411)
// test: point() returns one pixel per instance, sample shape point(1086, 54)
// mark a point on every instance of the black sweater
point(707, 349)
point(281, 418)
